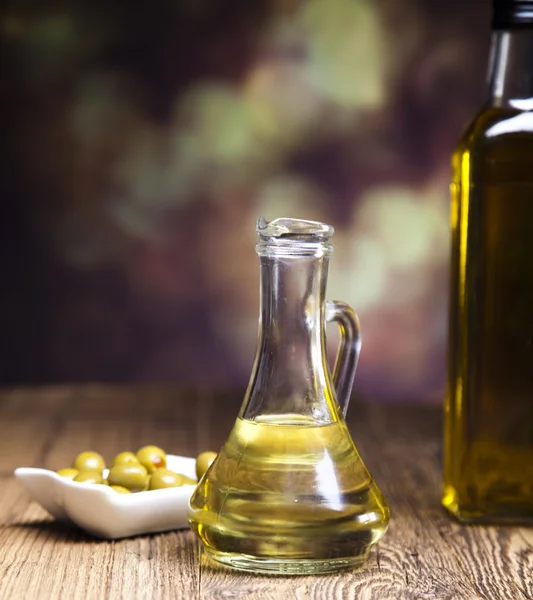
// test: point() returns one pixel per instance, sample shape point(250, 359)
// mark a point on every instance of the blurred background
point(140, 141)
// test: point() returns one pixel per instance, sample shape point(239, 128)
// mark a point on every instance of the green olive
point(119, 489)
point(88, 477)
point(89, 461)
point(188, 480)
point(203, 462)
point(132, 476)
point(152, 458)
point(165, 478)
point(124, 458)
point(68, 473)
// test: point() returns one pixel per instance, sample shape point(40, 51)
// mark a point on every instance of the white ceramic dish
point(103, 512)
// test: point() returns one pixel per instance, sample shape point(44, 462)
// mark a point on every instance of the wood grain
point(424, 555)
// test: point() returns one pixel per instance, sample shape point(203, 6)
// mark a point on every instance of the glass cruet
point(288, 492)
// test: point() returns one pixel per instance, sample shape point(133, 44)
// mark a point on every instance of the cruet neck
point(290, 374)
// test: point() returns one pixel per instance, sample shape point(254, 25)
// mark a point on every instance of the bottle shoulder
point(497, 134)
point(493, 124)
point(497, 147)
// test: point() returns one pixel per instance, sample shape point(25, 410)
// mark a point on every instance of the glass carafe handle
point(348, 354)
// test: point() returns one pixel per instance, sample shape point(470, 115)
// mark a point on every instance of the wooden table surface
point(424, 555)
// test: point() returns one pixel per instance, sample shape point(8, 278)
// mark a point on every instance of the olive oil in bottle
point(286, 489)
point(488, 453)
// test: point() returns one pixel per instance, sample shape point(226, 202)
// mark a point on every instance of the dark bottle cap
point(510, 14)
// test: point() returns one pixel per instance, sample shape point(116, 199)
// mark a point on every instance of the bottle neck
point(290, 374)
point(511, 68)
point(292, 298)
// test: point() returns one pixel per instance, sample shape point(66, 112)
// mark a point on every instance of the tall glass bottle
point(488, 454)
